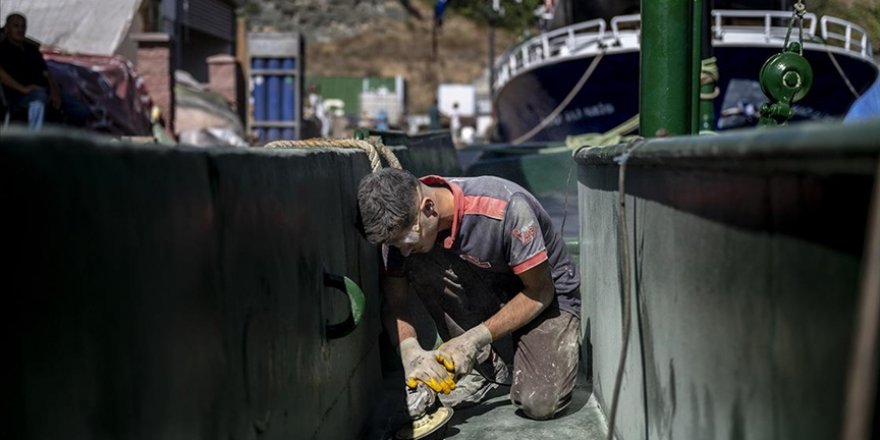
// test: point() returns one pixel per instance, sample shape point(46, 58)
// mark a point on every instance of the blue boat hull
point(610, 95)
point(608, 98)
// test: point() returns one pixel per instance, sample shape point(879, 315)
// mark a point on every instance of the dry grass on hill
point(396, 47)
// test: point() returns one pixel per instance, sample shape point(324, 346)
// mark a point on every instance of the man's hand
point(459, 354)
point(30, 88)
point(421, 365)
point(418, 400)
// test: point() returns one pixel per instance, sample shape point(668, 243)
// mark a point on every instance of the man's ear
point(428, 208)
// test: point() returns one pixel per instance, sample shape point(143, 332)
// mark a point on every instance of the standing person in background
point(365, 121)
point(317, 104)
point(434, 116)
point(26, 80)
point(455, 123)
point(382, 120)
point(544, 13)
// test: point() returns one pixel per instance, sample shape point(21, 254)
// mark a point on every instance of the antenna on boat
point(496, 13)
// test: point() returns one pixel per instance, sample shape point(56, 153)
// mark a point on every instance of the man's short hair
point(385, 202)
point(14, 15)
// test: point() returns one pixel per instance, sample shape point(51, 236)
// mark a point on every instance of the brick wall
point(153, 64)
point(223, 77)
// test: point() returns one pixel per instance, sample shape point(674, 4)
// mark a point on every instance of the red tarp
point(117, 99)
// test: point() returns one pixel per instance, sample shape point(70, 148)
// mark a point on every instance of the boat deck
point(496, 419)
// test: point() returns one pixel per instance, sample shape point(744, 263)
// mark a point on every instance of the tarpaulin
point(116, 97)
point(867, 106)
point(83, 26)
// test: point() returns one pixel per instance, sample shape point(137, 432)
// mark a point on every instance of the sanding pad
point(425, 425)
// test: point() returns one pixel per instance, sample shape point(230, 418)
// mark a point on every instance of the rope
point(565, 200)
point(797, 13)
point(614, 136)
point(841, 72)
point(574, 91)
point(623, 256)
point(709, 75)
point(385, 152)
point(800, 10)
point(373, 147)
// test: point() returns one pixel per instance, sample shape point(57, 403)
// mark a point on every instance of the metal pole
point(494, 14)
point(243, 106)
point(707, 106)
point(491, 59)
point(665, 79)
point(696, 62)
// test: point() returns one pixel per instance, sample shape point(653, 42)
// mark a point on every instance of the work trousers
point(458, 296)
point(73, 111)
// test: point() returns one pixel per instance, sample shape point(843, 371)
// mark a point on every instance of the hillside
point(381, 38)
point(393, 37)
point(403, 47)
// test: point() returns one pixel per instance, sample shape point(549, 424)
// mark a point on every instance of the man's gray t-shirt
point(500, 227)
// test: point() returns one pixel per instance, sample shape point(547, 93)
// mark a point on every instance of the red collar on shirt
point(457, 203)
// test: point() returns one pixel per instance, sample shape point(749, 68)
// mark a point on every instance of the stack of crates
point(275, 80)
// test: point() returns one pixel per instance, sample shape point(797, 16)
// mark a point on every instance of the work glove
point(422, 365)
point(418, 400)
point(459, 354)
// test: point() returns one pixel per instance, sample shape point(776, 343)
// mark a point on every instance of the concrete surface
point(496, 418)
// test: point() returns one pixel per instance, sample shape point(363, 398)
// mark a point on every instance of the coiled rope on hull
point(373, 146)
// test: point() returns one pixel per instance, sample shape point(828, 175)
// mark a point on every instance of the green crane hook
point(786, 77)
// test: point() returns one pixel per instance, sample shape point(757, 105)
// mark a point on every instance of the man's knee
point(540, 404)
point(539, 409)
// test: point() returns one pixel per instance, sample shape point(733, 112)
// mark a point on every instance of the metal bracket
point(356, 301)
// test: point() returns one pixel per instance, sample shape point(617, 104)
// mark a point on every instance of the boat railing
point(624, 23)
point(770, 24)
point(730, 26)
point(854, 38)
point(550, 45)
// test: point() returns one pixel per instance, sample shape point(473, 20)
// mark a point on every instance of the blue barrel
point(288, 100)
point(259, 96)
point(273, 99)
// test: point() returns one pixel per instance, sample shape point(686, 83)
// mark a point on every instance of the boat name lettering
point(591, 111)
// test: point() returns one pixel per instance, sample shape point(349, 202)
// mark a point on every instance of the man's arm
point(460, 353)
point(537, 294)
point(396, 313)
point(10, 82)
point(418, 364)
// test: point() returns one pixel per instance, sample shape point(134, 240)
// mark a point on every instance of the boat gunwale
point(602, 42)
point(811, 147)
